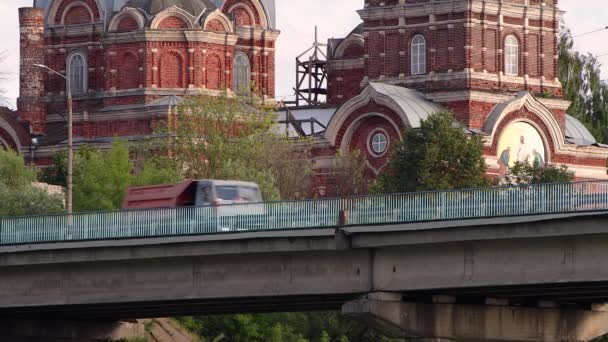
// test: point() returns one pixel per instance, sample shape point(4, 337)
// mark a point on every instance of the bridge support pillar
point(476, 323)
point(68, 331)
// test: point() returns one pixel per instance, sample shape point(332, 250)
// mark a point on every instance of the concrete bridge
point(524, 278)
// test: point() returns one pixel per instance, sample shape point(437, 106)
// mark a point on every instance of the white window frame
point(79, 86)
point(246, 88)
point(511, 55)
point(371, 142)
point(418, 55)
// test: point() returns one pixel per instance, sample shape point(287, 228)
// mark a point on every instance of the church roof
point(411, 102)
point(577, 133)
point(194, 7)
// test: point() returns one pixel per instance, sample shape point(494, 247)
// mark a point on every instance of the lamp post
point(70, 140)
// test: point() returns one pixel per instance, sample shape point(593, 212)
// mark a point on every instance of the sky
point(297, 18)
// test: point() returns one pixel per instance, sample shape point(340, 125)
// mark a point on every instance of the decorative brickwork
point(127, 24)
point(172, 23)
point(135, 59)
point(476, 61)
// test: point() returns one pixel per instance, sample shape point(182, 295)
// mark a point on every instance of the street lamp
point(70, 140)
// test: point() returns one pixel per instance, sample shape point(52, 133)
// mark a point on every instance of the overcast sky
point(296, 20)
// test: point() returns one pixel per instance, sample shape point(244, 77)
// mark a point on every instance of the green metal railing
point(322, 213)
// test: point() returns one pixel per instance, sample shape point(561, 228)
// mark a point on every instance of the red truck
point(191, 193)
point(231, 205)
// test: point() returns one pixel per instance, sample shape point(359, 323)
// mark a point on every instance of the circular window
point(379, 143)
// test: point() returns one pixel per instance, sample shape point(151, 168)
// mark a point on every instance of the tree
point(102, 177)
point(582, 85)
point(347, 177)
point(284, 327)
point(437, 156)
point(221, 137)
point(19, 194)
point(527, 173)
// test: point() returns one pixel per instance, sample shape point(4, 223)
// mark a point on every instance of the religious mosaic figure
point(522, 153)
point(503, 161)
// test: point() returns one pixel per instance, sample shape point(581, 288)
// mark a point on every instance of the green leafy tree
point(221, 137)
point(582, 84)
point(532, 173)
point(20, 196)
point(437, 156)
point(284, 327)
point(101, 178)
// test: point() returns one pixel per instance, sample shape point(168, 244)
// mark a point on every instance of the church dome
point(153, 7)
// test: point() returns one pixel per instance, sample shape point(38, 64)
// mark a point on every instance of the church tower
point(493, 63)
point(464, 53)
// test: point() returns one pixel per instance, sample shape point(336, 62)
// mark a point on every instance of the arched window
point(77, 69)
point(242, 74)
point(418, 55)
point(511, 56)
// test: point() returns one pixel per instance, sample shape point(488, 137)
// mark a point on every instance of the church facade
point(494, 63)
point(128, 60)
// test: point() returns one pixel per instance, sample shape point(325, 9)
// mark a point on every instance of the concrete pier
point(477, 323)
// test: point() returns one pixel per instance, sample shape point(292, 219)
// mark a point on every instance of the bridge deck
point(322, 213)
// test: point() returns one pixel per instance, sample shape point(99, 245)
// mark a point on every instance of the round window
point(379, 143)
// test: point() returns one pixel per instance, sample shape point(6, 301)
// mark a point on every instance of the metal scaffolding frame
point(311, 76)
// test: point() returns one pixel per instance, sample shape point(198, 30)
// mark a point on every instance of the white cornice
point(467, 75)
point(493, 7)
point(171, 36)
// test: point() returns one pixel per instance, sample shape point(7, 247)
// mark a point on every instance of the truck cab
point(192, 193)
point(219, 192)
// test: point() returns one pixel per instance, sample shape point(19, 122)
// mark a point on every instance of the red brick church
point(129, 61)
point(493, 63)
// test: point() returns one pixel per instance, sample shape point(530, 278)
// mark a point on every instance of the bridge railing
point(321, 213)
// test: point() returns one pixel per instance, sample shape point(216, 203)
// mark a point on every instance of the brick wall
point(460, 40)
point(31, 85)
point(116, 66)
point(172, 23)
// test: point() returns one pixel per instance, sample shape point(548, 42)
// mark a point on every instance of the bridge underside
point(158, 309)
point(576, 296)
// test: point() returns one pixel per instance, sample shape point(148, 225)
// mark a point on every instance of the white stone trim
point(365, 97)
point(76, 4)
point(369, 142)
point(68, 62)
point(11, 132)
point(124, 13)
point(52, 12)
point(346, 43)
point(348, 134)
point(525, 100)
point(221, 17)
point(222, 38)
point(174, 11)
point(258, 7)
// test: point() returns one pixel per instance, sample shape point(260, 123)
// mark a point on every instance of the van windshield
point(238, 193)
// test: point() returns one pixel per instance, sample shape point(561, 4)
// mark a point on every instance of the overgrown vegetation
point(437, 156)
point(582, 84)
point(221, 137)
point(102, 177)
point(286, 327)
point(532, 173)
point(19, 194)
